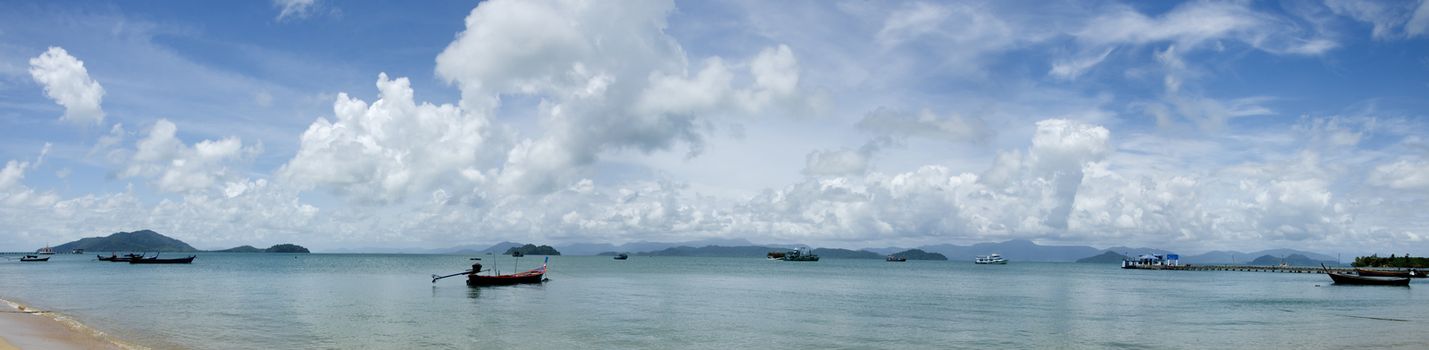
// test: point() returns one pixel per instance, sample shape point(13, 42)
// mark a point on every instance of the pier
point(1247, 268)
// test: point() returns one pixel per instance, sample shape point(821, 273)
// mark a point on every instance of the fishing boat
point(156, 260)
point(796, 255)
point(990, 259)
point(1384, 273)
point(622, 256)
point(537, 275)
point(116, 258)
point(1345, 278)
point(35, 258)
point(45, 251)
point(891, 258)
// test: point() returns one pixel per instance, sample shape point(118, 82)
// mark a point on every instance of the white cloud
point(839, 162)
point(177, 167)
point(1070, 69)
point(1403, 175)
point(608, 78)
point(925, 124)
point(68, 83)
point(294, 9)
point(1388, 20)
point(393, 148)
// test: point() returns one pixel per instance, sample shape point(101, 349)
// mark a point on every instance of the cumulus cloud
point(393, 147)
point(67, 82)
point(608, 78)
point(840, 162)
point(178, 167)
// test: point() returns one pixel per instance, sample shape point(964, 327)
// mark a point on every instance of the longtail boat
point(1385, 273)
point(534, 276)
point(116, 258)
point(156, 260)
point(32, 258)
point(1345, 278)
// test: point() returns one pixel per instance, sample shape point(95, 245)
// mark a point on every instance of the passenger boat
point(776, 256)
point(537, 275)
point(990, 259)
point(796, 255)
point(1383, 273)
point(622, 256)
point(34, 258)
point(156, 260)
point(45, 251)
point(891, 258)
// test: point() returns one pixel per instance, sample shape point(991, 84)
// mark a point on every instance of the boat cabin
point(1152, 260)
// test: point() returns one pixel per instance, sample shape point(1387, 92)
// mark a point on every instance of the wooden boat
point(537, 275)
point(891, 258)
point(34, 258)
point(156, 260)
point(622, 256)
point(1345, 278)
point(1384, 273)
point(116, 258)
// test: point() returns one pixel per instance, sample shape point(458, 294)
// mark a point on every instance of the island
point(919, 254)
point(1290, 260)
point(1103, 258)
point(137, 241)
point(532, 249)
point(280, 248)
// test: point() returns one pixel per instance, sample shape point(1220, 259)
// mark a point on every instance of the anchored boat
point(990, 259)
point(34, 258)
point(156, 260)
point(1345, 278)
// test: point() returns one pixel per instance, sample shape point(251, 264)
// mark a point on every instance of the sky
point(1191, 126)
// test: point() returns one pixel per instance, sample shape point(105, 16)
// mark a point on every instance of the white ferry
point(990, 259)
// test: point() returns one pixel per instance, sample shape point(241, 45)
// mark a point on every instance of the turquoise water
point(262, 301)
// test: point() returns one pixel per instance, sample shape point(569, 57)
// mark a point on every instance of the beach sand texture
point(22, 328)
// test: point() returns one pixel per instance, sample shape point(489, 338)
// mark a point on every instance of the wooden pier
point(1247, 268)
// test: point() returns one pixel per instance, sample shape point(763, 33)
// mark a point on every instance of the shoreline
point(24, 327)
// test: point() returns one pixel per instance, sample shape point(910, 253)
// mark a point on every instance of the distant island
point(1291, 260)
point(919, 254)
point(150, 241)
point(137, 241)
point(1103, 258)
point(280, 248)
point(532, 249)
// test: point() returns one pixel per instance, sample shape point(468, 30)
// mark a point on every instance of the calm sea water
point(262, 301)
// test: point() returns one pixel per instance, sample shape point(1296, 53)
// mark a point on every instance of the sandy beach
point(25, 328)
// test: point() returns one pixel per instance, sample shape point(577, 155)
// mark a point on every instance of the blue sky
point(1181, 125)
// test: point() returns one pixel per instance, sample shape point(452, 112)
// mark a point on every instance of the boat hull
point(1342, 278)
point(187, 260)
point(1382, 273)
point(529, 277)
point(35, 259)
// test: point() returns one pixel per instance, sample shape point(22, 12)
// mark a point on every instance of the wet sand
point(25, 328)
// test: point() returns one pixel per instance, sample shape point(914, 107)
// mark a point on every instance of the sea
point(361, 301)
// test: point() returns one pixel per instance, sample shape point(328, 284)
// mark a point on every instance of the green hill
point(241, 249)
point(532, 249)
point(1291, 260)
point(137, 241)
point(919, 254)
point(1103, 258)
point(286, 248)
